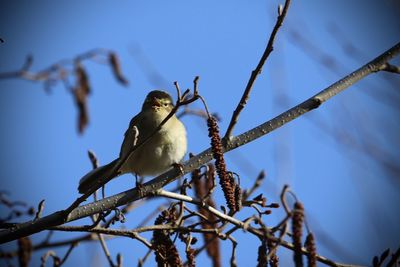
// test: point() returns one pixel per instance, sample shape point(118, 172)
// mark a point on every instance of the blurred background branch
point(71, 69)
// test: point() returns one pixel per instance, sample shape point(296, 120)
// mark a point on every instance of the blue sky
point(349, 197)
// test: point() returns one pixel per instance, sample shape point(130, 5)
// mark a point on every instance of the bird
point(164, 149)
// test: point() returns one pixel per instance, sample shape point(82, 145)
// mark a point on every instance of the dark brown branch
point(270, 46)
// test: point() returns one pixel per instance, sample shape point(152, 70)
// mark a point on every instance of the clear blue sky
point(347, 192)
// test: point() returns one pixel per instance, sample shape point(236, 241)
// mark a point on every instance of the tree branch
point(270, 46)
point(390, 68)
point(149, 188)
point(245, 226)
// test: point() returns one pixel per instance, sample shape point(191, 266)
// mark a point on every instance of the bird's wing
point(129, 136)
point(97, 177)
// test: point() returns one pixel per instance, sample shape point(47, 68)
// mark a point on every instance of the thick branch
point(152, 186)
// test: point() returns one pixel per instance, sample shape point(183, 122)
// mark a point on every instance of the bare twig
point(245, 226)
point(282, 234)
point(283, 199)
point(257, 183)
point(8, 203)
point(146, 256)
point(56, 71)
point(233, 256)
point(270, 46)
point(197, 112)
point(96, 221)
point(105, 250)
point(115, 232)
point(50, 253)
point(71, 247)
point(390, 68)
point(40, 210)
point(47, 244)
point(63, 70)
point(103, 243)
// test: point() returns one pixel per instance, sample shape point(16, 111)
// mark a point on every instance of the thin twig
point(245, 226)
point(270, 46)
point(132, 232)
point(257, 183)
point(71, 247)
point(283, 199)
point(40, 210)
point(143, 260)
point(106, 250)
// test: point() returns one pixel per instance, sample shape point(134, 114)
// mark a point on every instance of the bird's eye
point(166, 104)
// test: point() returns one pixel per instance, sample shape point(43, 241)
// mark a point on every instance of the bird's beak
point(156, 102)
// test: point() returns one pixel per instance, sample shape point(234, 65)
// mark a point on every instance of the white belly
point(159, 153)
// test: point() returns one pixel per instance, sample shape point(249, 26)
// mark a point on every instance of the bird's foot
point(179, 167)
point(139, 186)
point(138, 182)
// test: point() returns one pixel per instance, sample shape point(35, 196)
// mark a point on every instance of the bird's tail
point(95, 177)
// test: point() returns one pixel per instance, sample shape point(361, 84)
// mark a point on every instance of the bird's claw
point(179, 167)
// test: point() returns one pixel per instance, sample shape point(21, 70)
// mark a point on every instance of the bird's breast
point(166, 147)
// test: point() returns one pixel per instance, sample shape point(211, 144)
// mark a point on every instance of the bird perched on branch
point(162, 150)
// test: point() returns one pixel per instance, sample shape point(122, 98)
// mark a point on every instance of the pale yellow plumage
point(166, 147)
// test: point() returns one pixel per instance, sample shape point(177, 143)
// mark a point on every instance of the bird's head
point(157, 101)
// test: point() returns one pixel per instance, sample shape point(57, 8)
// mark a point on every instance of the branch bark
point(149, 188)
